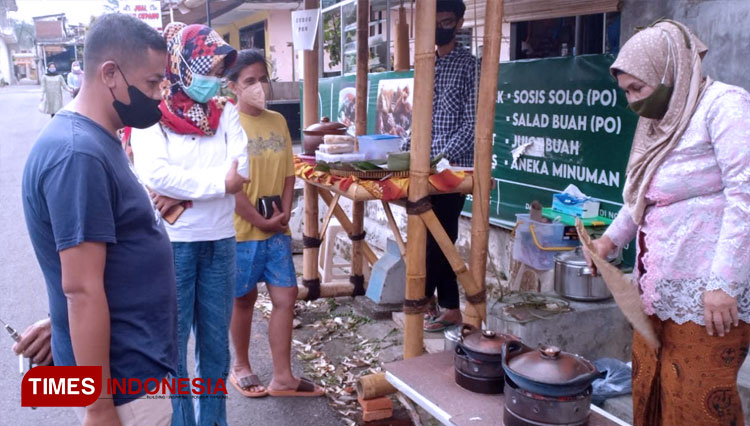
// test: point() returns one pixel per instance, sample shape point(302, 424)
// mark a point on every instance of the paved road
point(23, 297)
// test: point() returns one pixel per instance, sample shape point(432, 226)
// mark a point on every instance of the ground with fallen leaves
point(337, 346)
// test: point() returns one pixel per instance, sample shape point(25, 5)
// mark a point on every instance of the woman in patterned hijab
point(198, 58)
point(194, 161)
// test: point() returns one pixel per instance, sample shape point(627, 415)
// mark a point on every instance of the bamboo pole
point(374, 386)
point(310, 116)
point(394, 228)
point(401, 43)
point(483, 151)
point(347, 225)
point(450, 251)
point(358, 225)
point(310, 254)
point(424, 79)
point(363, 61)
point(331, 208)
point(310, 87)
point(337, 289)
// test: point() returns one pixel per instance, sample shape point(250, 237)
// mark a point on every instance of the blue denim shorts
point(268, 260)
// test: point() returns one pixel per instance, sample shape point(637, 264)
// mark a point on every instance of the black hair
point(245, 58)
point(121, 38)
point(456, 6)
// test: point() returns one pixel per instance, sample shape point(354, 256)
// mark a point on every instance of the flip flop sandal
point(305, 388)
point(438, 325)
point(244, 383)
point(432, 313)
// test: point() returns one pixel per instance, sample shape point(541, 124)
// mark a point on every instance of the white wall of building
point(6, 68)
point(281, 54)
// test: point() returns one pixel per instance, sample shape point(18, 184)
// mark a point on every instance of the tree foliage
point(24, 33)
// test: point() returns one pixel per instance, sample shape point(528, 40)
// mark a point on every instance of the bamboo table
point(428, 380)
point(331, 195)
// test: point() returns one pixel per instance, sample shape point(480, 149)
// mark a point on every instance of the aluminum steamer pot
point(548, 371)
point(573, 278)
point(452, 335)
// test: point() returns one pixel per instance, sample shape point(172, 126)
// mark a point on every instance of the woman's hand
point(720, 312)
point(276, 223)
point(164, 203)
point(234, 181)
point(603, 247)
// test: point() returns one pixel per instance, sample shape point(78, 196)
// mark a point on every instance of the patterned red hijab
point(193, 47)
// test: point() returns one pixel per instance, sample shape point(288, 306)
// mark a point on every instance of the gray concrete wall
point(721, 24)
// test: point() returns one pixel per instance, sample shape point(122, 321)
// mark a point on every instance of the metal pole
point(578, 39)
point(604, 33)
point(208, 13)
point(388, 35)
point(342, 46)
point(171, 12)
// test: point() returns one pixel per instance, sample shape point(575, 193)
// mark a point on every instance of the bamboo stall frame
point(480, 210)
point(310, 274)
point(424, 78)
point(394, 228)
point(420, 221)
point(363, 62)
point(331, 196)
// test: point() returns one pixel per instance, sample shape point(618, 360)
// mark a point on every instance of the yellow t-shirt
point(269, 152)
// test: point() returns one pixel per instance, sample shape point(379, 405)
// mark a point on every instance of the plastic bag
point(618, 380)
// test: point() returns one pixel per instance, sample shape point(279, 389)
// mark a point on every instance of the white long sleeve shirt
point(192, 167)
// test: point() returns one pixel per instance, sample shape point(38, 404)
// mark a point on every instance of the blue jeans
point(205, 292)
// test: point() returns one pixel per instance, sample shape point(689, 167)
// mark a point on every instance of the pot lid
point(326, 126)
point(572, 257)
point(548, 364)
point(484, 341)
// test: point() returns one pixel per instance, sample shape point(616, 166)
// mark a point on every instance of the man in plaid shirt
point(453, 136)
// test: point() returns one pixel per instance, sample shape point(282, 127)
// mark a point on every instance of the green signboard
point(567, 112)
point(576, 127)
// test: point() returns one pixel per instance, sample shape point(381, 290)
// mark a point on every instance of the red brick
point(377, 404)
point(369, 416)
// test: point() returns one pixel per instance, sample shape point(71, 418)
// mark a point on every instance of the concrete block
point(376, 311)
point(593, 330)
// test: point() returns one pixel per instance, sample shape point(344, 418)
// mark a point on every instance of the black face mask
point(444, 36)
point(654, 106)
point(141, 113)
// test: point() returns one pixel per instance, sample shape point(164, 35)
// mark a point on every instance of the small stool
point(326, 264)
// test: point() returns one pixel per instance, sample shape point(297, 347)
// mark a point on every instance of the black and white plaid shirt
point(453, 114)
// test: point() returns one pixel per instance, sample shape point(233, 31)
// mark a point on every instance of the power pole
point(208, 13)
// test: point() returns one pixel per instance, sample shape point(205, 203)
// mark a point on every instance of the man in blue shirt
point(453, 118)
point(105, 255)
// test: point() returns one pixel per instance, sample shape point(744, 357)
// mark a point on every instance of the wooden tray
point(370, 174)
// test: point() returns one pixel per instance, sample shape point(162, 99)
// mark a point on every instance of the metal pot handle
point(541, 247)
point(584, 271)
point(460, 350)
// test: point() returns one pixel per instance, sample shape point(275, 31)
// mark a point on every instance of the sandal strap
point(305, 385)
point(246, 382)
